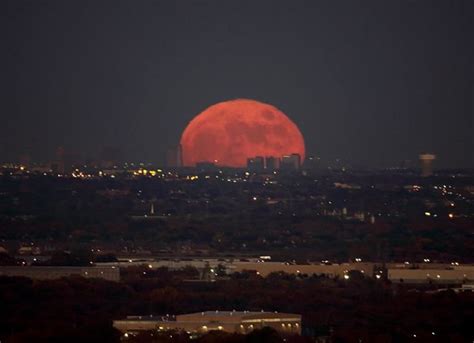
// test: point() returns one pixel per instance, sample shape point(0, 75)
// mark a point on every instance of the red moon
point(229, 132)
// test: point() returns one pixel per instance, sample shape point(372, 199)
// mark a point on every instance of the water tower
point(426, 161)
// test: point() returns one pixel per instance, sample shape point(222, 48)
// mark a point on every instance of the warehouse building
point(56, 272)
point(202, 322)
point(330, 270)
point(458, 275)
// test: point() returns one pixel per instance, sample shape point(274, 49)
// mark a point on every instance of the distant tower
point(271, 163)
point(179, 155)
point(290, 162)
point(256, 163)
point(296, 160)
point(174, 157)
point(426, 161)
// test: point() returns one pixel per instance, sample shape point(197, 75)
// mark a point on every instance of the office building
point(290, 162)
point(271, 163)
point(256, 164)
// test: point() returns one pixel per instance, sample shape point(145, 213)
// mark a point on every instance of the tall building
point(426, 162)
point(290, 162)
point(256, 163)
point(272, 163)
point(174, 157)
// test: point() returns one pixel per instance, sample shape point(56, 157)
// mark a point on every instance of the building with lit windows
point(202, 322)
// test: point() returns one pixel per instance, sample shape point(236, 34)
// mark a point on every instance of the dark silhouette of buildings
point(272, 163)
point(256, 164)
point(290, 162)
point(174, 157)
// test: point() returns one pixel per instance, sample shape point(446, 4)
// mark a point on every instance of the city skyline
point(372, 85)
point(205, 171)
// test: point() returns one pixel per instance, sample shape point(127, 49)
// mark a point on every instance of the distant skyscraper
point(256, 163)
point(179, 155)
point(426, 161)
point(271, 163)
point(290, 162)
point(174, 157)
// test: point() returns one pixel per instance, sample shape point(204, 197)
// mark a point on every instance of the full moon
point(229, 132)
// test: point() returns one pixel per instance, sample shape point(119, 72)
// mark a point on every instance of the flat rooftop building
point(331, 270)
point(57, 272)
point(202, 322)
point(456, 275)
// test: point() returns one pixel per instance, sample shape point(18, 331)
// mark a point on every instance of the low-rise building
point(57, 272)
point(202, 322)
point(330, 270)
point(425, 275)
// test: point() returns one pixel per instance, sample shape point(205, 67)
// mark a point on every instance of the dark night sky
point(371, 82)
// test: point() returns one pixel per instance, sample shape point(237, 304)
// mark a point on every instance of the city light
point(151, 190)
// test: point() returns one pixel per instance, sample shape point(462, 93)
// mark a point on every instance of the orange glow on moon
point(229, 132)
